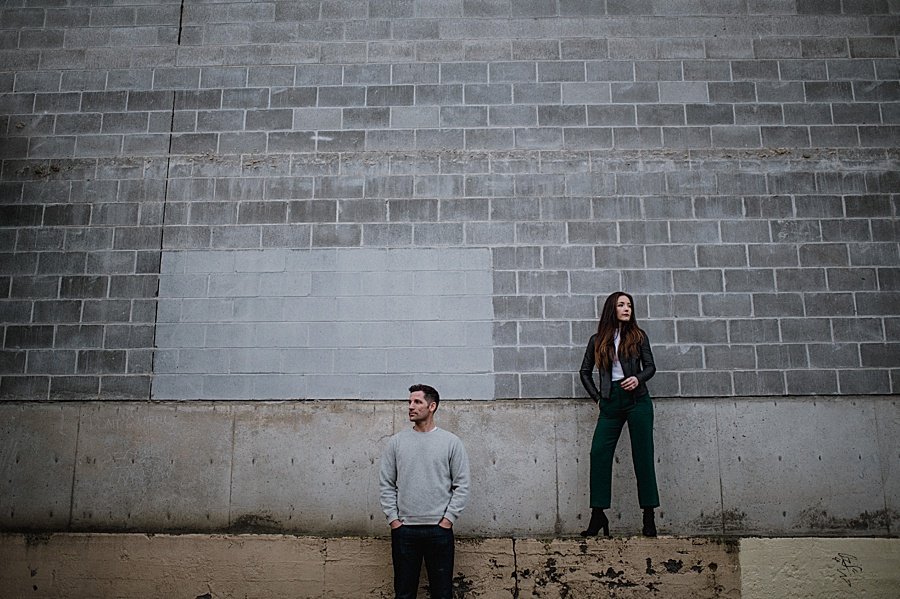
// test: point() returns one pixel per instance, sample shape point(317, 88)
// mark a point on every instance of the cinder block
point(675, 256)
point(685, 92)
point(694, 331)
point(647, 281)
point(613, 115)
point(781, 304)
point(592, 232)
point(413, 210)
point(537, 93)
point(695, 280)
point(637, 137)
point(809, 329)
point(438, 94)
point(633, 48)
point(759, 382)
point(641, 92)
point(864, 382)
point(463, 116)
point(566, 208)
point(660, 114)
point(833, 355)
point(762, 255)
point(730, 357)
point(795, 231)
point(879, 355)
point(705, 384)
point(546, 385)
point(872, 47)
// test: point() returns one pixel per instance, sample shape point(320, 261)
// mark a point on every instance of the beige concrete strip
point(820, 568)
point(125, 566)
point(132, 566)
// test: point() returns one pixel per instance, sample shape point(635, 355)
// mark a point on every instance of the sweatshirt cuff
point(450, 517)
point(392, 516)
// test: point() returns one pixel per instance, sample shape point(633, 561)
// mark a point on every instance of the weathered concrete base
point(65, 566)
point(83, 565)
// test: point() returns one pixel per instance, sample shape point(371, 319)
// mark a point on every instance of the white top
point(617, 373)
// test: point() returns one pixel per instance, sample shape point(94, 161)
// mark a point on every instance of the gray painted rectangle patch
point(319, 324)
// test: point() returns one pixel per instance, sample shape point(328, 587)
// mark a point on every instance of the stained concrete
point(142, 466)
point(820, 568)
point(887, 421)
point(796, 468)
point(37, 457)
point(627, 568)
point(513, 457)
point(66, 566)
point(125, 566)
point(312, 467)
point(297, 471)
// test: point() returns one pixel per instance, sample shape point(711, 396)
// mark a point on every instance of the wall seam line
point(75, 467)
point(231, 465)
point(162, 226)
point(719, 464)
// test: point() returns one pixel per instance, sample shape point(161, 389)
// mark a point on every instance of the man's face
point(419, 408)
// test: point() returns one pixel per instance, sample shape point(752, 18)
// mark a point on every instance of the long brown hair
point(630, 335)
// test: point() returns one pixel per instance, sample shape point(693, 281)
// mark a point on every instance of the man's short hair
point(431, 394)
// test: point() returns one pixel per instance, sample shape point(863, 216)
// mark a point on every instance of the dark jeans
point(409, 546)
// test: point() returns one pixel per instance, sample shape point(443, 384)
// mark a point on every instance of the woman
point(621, 352)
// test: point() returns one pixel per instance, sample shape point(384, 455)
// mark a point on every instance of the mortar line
point(180, 22)
point(75, 466)
point(719, 464)
point(557, 525)
point(165, 210)
point(231, 466)
point(162, 229)
point(887, 514)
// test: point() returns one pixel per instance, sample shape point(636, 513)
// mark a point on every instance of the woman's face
point(623, 309)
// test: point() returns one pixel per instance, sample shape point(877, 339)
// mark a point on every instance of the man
point(424, 487)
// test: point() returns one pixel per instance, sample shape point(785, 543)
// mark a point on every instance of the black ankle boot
point(598, 521)
point(649, 523)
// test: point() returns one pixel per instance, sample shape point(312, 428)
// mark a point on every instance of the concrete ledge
point(743, 467)
point(63, 566)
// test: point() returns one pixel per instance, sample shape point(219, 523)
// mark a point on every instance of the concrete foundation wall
point(77, 566)
point(734, 467)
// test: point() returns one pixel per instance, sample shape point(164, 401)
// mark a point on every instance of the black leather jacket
point(640, 366)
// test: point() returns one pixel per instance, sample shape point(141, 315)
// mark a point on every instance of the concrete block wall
point(245, 200)
point(734, 165)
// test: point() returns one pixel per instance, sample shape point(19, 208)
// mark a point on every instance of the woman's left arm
point(649, 367)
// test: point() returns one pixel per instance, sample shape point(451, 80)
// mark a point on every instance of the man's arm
point(459, 481)
point(388, 483)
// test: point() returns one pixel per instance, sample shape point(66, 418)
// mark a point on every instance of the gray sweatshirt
point(424, 477)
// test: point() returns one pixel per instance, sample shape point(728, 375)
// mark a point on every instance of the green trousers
point(620, 408)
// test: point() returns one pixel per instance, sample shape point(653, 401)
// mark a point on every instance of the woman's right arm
point(587, 371)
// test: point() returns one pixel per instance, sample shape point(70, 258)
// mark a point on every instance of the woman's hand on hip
point(630, 384)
